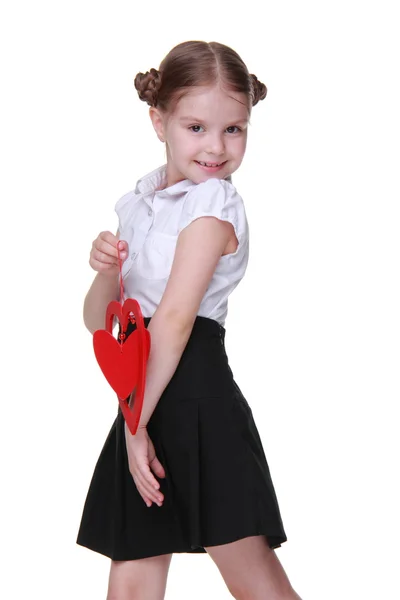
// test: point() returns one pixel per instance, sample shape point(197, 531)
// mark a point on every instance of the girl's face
point(205, 135)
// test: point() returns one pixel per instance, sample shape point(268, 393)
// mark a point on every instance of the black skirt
point(218, 487)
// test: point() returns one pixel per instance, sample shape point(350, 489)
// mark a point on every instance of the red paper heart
point(118, 361)
point(124, 365)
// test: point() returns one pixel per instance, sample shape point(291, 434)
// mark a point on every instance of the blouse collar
point(156, 180)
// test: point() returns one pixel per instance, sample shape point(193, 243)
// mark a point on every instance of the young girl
point(194, 478)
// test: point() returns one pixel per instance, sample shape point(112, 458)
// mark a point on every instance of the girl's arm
point(199, 247)
point(105, 287)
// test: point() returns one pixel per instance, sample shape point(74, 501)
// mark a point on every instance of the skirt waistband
point(202, 327)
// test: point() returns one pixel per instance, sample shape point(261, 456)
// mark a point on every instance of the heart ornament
point(123, 362)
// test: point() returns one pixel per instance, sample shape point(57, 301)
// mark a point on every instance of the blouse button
point(150, 212)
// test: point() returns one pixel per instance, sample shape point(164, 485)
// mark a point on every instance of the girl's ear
point(158, 123)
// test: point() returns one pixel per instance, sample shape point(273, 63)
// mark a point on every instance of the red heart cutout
point(118, 361)
point(124, 365)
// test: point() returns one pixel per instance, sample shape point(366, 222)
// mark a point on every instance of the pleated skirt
point(218, 486)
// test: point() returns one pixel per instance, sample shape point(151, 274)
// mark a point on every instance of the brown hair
point(193, 64)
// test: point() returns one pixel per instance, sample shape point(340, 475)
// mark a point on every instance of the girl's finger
point(123, 249)
point(104, 258)
point(144, 494)
point(106, 248)
point(148, 489)
point(148, 475)
point(141, 491)
point(108, 237)
point(100, 266)
point(122, 245)
point(157, 467)
point(148, 501)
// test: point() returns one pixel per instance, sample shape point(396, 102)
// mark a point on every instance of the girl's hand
point(142, 456)
point(104, 253)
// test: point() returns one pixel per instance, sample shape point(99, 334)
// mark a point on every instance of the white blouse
point(150, 221)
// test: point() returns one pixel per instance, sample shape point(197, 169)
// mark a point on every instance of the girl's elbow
point(180, 322)
point(88, 324)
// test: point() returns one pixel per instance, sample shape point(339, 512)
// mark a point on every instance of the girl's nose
point(215, 145)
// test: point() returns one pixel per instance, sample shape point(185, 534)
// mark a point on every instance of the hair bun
point(259, 89)
point(147, 85)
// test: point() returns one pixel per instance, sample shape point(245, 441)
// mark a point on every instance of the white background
point(313, 330)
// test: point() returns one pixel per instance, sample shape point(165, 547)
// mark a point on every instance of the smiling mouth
point(204, 164)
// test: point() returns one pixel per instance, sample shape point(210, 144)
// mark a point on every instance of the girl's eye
point(229, 129)
point(195, 128)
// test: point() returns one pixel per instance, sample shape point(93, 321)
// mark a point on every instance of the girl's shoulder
point(214, 192)
point(215, 198)
point(126, 199)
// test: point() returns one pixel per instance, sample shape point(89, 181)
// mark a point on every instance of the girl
point(194, 478)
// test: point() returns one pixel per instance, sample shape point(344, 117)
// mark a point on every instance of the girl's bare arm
point(199, 247)
point(105, 287)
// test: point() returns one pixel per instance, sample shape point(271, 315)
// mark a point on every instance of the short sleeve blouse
point(151, 219)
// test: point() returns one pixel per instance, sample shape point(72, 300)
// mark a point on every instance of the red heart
point(117, 361)
point(124, 365)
